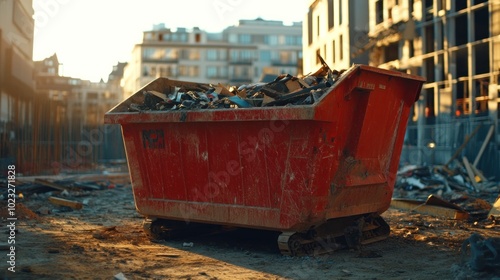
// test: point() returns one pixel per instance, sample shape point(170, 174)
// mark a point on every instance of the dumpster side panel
point(373, 111)
point(249, 174)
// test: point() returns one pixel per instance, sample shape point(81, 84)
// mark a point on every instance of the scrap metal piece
point(240, 102)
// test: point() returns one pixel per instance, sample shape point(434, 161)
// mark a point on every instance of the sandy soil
point(105, 238)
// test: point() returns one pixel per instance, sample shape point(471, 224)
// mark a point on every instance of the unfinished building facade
point(455, 45)
point(17, 86)
point(68, 131)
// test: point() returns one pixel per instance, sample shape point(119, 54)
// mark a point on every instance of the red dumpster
point(295, 169)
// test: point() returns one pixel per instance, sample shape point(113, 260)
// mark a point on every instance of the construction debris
point(433, 206)
point(65, 202)
point(463, 186)
point(483, 253)
point(51, 184)
point(285, 90)
point(495, 210)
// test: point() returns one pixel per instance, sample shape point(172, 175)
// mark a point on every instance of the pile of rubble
point(285, 90)
point(64, 193)
point(472, 193)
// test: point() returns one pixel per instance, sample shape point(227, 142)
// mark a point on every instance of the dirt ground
point(105, 240)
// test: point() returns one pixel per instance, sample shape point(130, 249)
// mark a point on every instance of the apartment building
point(336, 30)
point(455, 45)
point(16, 79)
point(237, 55)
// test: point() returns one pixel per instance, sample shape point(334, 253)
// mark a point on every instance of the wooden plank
point(158, 94)
point(51, 184)
point(64, 202)
point(479, 174)
point(472, 177)
point(483, 146)
point(459, 150)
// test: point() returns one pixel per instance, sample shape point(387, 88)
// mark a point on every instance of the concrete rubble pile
point(285, 90)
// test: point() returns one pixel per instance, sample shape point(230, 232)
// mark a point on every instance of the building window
point(391, 52)
point(271, 40)
point(341, 47)
point(429, 38)
point(233, 38)
point(241, 55)
point(194, 54)
point(340, 12)
point(317, 26)
point(216, 72)
point(211, 55)
point(411, 49)
point(148, 53)
point(246, 55)
point(293, 40)
point(244, 38)
point(197, 37)
point(309, 25)
point(333, 51)
point(211, 72)
point(162, 71)
point(190, 71)
point(242, 72)
point(330, 14)
point(318, 53)
point(265, 55)
point(287, 57)
point(379, 11)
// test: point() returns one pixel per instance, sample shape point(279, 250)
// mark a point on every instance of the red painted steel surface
point(279, 168)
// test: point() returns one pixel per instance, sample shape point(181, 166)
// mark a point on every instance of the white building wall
point(333, 41)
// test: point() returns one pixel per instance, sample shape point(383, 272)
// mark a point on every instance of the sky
point(90, 36)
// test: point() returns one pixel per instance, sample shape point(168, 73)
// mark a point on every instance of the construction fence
point(447, 143)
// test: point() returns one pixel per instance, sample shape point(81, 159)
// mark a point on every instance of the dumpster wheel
point(154, 229)
point(335, 234)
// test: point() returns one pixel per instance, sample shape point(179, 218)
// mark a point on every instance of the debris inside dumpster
point(285, 90)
